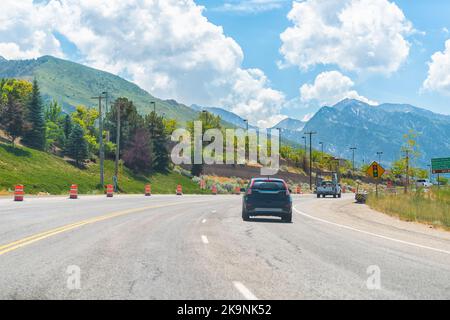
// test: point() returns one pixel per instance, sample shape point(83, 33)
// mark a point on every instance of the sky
point(262, 59)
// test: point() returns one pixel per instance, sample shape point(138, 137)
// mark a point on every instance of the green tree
point(76, 146)
point(159, 142)
point(35, 137)
point(67, 126)
point(209, 121)
point(54, 113)
point(12, 119)
point(20, 90)
point(130, 121)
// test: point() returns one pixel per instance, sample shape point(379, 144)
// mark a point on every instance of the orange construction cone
point(179, 190)
point(148, 190)
point(73, 193)
point(109, 191)
point(299, 190)
point(237, 191)
point(214, 190)
point(19, 193)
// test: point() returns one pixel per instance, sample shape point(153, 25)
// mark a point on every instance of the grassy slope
point(431, 208)
point(42, 172)
point(72, 84)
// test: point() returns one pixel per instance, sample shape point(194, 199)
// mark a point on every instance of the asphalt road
point(198, 247)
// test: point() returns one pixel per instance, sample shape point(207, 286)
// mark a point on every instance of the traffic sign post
point(375, 171)
point(440, 166)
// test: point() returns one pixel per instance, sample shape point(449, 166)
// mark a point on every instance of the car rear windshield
point(269, 185)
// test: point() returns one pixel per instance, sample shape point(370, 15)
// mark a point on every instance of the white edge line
point(205, 240)
point(372, 234)
point(244, 291)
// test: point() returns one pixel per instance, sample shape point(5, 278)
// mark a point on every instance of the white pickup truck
point(329, 188)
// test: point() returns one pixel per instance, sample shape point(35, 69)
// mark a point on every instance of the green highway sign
point(441, 165)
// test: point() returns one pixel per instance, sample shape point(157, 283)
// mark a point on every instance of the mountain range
point(372, 129)
point(349, 123)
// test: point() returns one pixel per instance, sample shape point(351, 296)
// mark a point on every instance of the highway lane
point(197, 247)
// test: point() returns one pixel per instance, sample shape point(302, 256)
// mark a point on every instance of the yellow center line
point(44, 235)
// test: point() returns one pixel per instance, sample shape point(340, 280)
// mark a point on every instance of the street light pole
point(102, 153)
point(119, 111)
point(321, 156)
point(353, 157)
point(311, 133)
point(407, 171)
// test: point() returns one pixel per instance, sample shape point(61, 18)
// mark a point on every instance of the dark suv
point(267, 197)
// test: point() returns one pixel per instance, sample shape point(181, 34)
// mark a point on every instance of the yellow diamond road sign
point(375, 170)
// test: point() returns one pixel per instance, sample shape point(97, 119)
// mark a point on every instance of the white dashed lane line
point(371, 234)
point(205, 240)
point(244, 291)
point(204, 221)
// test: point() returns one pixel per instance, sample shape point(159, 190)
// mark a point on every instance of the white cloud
point(166, 46)
point(251, 96)
point(250, 6)
point(356, 35)
point(439, 71)
point(330, 88)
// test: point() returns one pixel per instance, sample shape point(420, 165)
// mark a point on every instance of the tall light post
point(353, 149)
point(321, 156)
point(101, 146)
point(118, 111)
point(311, 133)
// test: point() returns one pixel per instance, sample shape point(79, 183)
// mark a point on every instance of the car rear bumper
point(269, 211)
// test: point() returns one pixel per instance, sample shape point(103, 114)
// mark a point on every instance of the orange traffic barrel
point(148, 190)
point(179, 190)
point(214, 190)
point(73, 193)
point(109, 190)
point(19, 193)
point(237, 190)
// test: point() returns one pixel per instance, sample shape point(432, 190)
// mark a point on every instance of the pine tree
point(76, 147)
point(12, 119)
point(35, 137)
point(67, 126)
point(159, 140)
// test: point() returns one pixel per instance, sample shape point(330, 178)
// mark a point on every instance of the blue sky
point(258, 33)
point(262, 59)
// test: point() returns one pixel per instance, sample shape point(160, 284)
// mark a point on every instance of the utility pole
point(311, 133)
point(102, 151)
point(407, 171)
point(118, 111)
point(353, 149)
point(321, 156)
